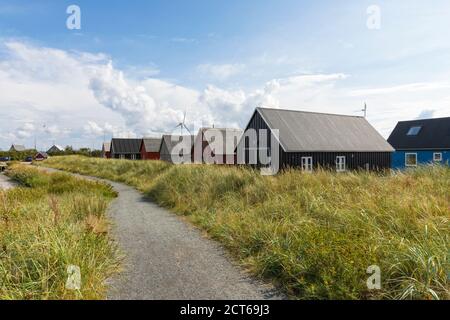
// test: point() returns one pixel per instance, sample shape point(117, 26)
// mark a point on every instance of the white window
point(411, 159)
point(437, 156)
point(133, 157)
point(122, 156)
point(307, 164)
point(340, 164)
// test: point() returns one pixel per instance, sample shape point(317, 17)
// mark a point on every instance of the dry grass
point(52, 222)
point(314, 234)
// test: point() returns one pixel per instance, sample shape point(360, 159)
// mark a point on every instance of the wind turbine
point(182, 125)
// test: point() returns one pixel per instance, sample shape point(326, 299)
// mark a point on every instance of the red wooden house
point(150, 148)
point(41, 156)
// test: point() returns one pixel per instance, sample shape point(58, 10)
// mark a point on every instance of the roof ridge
point(313, 112)
point(429, 119)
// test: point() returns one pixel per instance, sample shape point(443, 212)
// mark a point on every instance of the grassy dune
point(54, 221)
point(313, 234)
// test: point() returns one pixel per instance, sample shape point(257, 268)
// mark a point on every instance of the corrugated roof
point(433, 134)
point(18, 147)
point(320, 132)
point(55, 148)
point(172, 140)
point(125, 146)
point(152, 144)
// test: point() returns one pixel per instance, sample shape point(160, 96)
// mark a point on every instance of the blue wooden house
point(420, 142)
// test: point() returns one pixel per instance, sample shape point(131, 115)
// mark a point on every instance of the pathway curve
point(167, 258)
point(6, 183)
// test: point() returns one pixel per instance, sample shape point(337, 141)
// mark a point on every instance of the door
point(340, 164)
point(307, 164)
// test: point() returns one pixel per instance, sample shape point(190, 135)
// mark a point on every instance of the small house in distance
point(55, 149)
point(150, 148)
point(125, 149)
point(216, 145)
point(310, 140)
point(421, 142)
point(17, 148)
point(176, 149)
point(41, 156)
point(106, 150)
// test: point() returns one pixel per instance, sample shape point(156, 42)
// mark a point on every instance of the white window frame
point(440, 157)
point(133, 157)
point(341, 164)
point(121, 156)
point(307, 164)
point(406, 157)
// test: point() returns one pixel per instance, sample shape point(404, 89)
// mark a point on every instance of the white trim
point(341, 166)
point(440, 157)
point(307, 164)
point(410, 154)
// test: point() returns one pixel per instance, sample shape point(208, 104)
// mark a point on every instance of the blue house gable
point(421, 142)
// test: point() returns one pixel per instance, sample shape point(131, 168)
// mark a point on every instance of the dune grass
point(51, 222)
point(314, 235)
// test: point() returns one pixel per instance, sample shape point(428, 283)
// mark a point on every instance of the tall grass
point(54, 221)
point(313, 234)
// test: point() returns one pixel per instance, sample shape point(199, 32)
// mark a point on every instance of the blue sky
point(135, 66)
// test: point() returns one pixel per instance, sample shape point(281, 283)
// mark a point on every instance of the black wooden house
point(310, 140)
point(126, 149)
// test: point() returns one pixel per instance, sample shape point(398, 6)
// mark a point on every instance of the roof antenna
point(365, 110)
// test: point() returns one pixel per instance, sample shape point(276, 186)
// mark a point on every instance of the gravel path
point(6, 183)
point(168, 259)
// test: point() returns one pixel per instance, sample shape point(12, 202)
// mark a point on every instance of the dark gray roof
point(55, 148)
point(125, 146)
point(18, 147)
point(433, 134)
point(319, 132)
point(152, 144)
point(172, 140)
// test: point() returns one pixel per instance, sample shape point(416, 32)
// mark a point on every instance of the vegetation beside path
point(313, 234)
point(51, 222)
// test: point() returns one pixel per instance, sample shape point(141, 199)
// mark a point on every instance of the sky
point(133, 68)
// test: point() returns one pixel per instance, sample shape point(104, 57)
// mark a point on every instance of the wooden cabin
point(150, 148)
point(126, 149)
point(17, 148)
point(41, 156)
point(176, 149)
point(421, 142)
point(309, 140)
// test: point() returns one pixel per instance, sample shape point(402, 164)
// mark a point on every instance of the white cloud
point(81, 97)
point(26, 131)
point(220, 71)
point(94, 130)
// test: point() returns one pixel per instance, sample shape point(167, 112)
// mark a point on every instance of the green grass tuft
point(54, 221)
